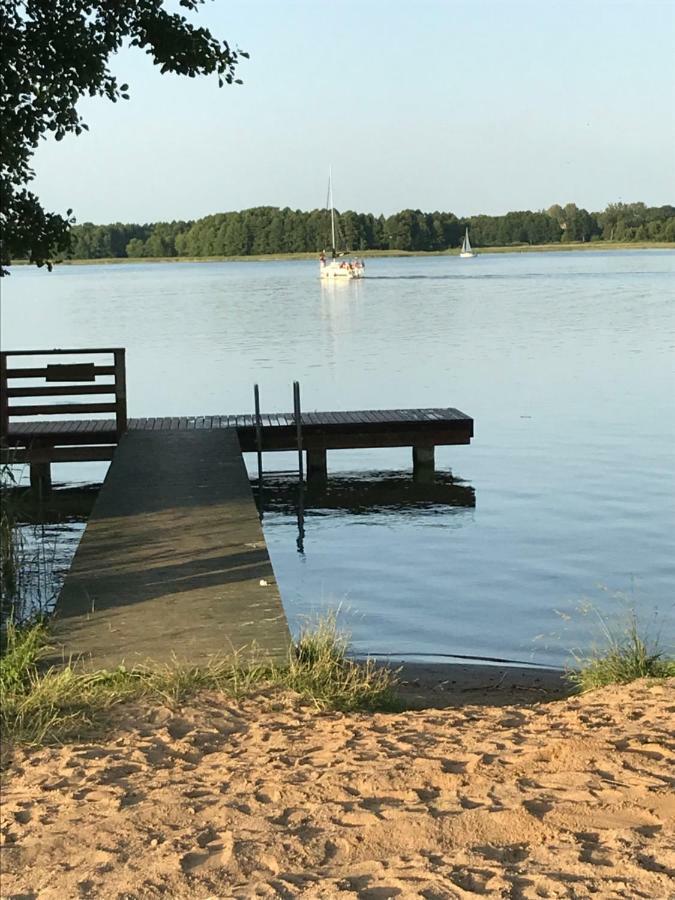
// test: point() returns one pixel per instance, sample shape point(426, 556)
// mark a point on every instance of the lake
point(565, 361)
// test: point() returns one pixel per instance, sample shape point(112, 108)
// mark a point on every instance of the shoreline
point(371, 254)
point(435, 685)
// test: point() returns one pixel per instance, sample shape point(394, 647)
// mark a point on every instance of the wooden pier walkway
point(173, 563)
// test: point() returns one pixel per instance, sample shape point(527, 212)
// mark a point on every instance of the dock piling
point(40, 471)
point(258, 441)
point(41, 478)
point(297, 413)
point(317, 464)
point(423, 462)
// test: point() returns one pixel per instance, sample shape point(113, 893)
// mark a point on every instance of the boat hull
point(466, 255)
point(342, 270)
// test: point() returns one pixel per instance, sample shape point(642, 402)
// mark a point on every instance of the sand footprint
point(24, 815)
point(214, 851)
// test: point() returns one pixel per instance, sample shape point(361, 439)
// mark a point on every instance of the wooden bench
point(40, 391)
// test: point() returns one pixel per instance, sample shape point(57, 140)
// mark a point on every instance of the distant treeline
point(267, 229)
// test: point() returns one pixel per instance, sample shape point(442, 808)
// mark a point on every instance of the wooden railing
point(57, 381)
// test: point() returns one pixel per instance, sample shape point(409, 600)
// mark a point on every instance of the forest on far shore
point(268, 229)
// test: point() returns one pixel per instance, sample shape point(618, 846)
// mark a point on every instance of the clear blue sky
point(476, 106)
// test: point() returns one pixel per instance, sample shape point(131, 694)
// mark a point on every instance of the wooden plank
point(119, 359)
point(33, 372)
point(70, 372)
point(320, 419)
point(95, 453)
point(141, 591)
point(76, 351)
point(364, 434)
point(59, 409)
point(4, 402)
point(66, 389)
point(67, 438)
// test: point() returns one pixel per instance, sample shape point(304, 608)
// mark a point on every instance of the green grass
point(626, 656)
point(53, 705)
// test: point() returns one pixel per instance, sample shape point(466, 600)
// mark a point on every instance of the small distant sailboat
point(466, 252)
point(337, 267)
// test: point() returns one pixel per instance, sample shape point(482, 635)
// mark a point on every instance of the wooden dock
point(40, 443)
point(173, 563)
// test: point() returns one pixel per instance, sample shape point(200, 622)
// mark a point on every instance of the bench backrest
point(51, 382)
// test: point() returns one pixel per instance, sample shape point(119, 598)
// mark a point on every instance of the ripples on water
point(565, 361)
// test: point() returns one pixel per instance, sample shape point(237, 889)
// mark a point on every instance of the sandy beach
point(268, 797)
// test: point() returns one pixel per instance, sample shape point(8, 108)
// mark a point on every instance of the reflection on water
point(375, 494)
point(48, 533)
point(364, 493)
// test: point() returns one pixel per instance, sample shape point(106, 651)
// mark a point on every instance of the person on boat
point(322, 258)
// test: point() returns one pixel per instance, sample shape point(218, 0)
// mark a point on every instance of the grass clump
point(320, 669)
point(43, 705)
point(39, 705)
point(626, 656)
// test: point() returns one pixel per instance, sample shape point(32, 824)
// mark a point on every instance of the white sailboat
point(337, 266)
point(466, 252)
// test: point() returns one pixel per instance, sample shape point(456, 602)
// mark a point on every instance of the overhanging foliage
point(53, 53)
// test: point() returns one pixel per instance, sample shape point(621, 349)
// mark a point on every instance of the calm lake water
point(565, 360)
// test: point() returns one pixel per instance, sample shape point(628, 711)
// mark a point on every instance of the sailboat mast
point(332, 211)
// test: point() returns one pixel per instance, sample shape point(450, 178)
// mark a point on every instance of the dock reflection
point(362, 493)
point(63, 504)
